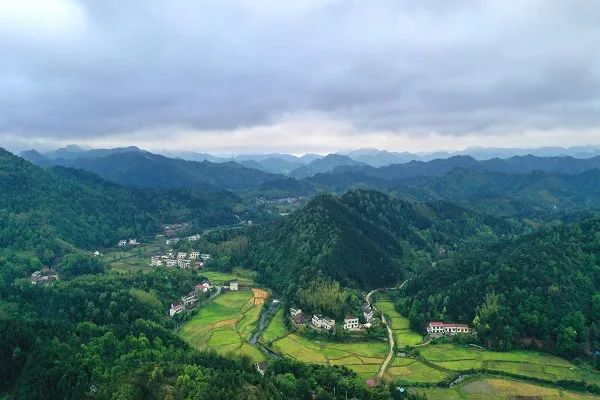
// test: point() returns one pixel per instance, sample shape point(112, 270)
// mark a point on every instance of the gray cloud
point(96, 68)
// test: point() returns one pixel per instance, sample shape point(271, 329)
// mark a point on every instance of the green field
point(276, 328)
point(526, 363)
point(225, 325)
point(364, 358)
point(403, 335)
point(132, 260)
point(243, 276)
point(409, 370)
point(501, 389)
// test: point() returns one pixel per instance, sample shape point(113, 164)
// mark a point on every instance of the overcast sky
point(303, 76)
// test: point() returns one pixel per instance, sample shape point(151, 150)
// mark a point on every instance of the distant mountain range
point(311, 164)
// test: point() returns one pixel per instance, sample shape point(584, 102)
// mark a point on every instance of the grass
point(500, 389)
point(403, 335)
point(409, 370)
point(243, 276)
point(526, 363)
point(364, 358)
point(225, 325)
point(276, 328)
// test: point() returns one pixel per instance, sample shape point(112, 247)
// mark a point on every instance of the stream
point(262, 324)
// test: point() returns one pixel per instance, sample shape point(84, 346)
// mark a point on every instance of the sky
point(308, 76)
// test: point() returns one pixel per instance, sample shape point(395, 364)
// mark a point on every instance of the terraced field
point(243, 276)
point(364, 358)
point(403, 335)
point(276, 329)
point(526, 363)
point(500, 389)
point(410, 371)
point(226, 324)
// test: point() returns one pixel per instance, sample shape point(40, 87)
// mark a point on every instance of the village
point(190, 300)
point(323, 323)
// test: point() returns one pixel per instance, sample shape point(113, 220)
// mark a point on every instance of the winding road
point(389, 330)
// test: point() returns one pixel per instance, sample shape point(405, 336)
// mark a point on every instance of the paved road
point(389, 330)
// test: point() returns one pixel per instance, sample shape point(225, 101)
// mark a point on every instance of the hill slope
point(363, 239)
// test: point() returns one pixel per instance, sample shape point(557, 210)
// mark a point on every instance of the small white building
point(317, 321)
point(181, 255)
point(193, 238)
point(233, 285)
point(176, 308)
point(437, 329)
point(97, 253)
point(188, 299)
point(350, 322)
point(328, 324)
point(193, 255)
point(295, 311)
point(133, 242)
point(122, 243)
point(367, 312)
point(171, 263)
point(171, 241)
point(183, 263)
point(203, 287)
point(156, 261)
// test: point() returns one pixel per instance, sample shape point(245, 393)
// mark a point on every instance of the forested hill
point(82, 209)
point(363, 239)
point(145, 169)
point(544, 285)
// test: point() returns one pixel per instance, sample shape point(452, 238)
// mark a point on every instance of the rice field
point(526, 363)
point(364, 358)
point(243, 276)
point(403, 335)
point(410, 371)
point(276, 328)
point(226, 324)
point(500, 389)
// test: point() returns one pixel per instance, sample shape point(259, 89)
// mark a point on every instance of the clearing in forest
point(226, 324)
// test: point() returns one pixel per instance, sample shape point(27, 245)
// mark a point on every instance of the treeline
point(543, 286)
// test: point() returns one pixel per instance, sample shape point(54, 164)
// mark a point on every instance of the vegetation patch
point(225, 325)
point(400, 325)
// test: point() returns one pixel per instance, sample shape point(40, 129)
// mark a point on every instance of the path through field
point(389, 329)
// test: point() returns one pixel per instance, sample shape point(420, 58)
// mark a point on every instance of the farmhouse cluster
point(189, 300)
point(174, 240)
point(44, 276)
point(128, 243)
point(193, 259)
point(320, 322)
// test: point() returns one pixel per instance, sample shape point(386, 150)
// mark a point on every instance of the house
point(171, 241)
point(182, 263)
point(328, 324)
point(367, 312)
point(301, 319)
point(156, 261)
point(205, 257)
point(295, 311)
point(122, 243)
point(133, 242)
point(171, 263)
point(193, 255)
point(97, 253)
point(350, 322)
point(233, 285)
point(188, 299)
point(44, 276)
point(181, 255)
point(198, 264)
point(193, 238)
point(437, 329)
point(317, 321)
point(203, 287)
point(176, 308)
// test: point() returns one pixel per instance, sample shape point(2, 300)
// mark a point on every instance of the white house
point(97, 253)
point(171, 263)
point(233, 285)
point(181, 255)
point(193, 238)
point(367, 312)
point(436, 329)
point(122, 243)
point(188, 299)
point(328, 324)
point(171, 241)
point(133, 242)
point(317, 321)
point(156, 261)
point(193, 255)
point(183, 263)
point(295, 311)
point(175, 309)
point(350, 322)
point(203, 287)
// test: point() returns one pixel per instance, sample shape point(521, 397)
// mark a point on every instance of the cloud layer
point(107, 71)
